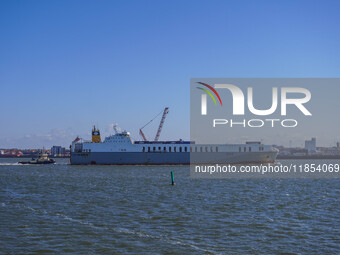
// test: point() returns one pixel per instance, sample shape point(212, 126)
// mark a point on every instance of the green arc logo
point(209, 93)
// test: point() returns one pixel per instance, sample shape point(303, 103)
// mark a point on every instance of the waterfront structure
point(58, 151)
point(310, 145)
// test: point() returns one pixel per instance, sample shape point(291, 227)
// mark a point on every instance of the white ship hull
point(120, 149)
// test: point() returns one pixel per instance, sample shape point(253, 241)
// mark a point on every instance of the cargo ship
point(121, 149)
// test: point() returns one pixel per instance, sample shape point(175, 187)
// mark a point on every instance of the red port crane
point(165, 112)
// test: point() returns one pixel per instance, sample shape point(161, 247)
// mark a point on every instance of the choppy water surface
point(133, 209)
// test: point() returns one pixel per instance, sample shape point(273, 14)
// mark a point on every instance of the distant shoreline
point(278, 157)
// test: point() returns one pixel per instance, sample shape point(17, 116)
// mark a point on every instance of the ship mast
point(115, 128)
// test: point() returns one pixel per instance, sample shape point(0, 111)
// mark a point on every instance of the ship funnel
point(96, 135)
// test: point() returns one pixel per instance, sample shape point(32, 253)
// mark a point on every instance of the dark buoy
point(172, 178)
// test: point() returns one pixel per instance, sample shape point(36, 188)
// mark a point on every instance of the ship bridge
point(122, 137)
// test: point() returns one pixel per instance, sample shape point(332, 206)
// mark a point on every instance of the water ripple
point(108, 209)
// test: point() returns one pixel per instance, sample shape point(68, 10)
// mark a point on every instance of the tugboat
point(41, 160)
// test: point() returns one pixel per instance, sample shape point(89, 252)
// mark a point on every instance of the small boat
point(41, 160)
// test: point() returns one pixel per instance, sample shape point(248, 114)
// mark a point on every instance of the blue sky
point(66, 65)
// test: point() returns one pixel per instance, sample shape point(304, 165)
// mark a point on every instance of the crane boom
point(142, 134)
point(140, 130)
point(166, 110)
